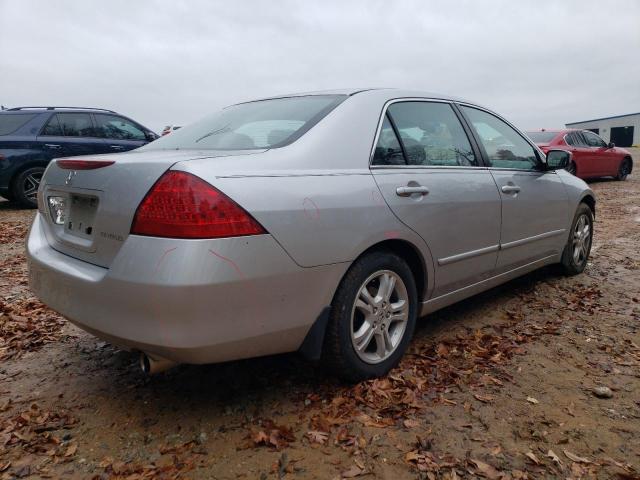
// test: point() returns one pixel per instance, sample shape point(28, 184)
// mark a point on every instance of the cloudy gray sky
point(540, 63)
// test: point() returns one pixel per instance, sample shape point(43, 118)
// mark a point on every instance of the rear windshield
point(10, 122)
point(542, 137)
point(254, 125)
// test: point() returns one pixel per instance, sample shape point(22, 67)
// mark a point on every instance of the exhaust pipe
point(151, 365)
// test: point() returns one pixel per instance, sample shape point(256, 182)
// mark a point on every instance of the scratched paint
point(311, 210)
point(376, 197)
point(233, 264)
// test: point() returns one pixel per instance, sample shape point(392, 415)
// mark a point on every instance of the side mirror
point(151, 136)
point(611, 145)
point(558, 159)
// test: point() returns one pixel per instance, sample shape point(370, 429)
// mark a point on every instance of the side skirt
point(452, 297)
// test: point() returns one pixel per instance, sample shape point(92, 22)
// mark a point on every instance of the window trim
point(472, 142)
point(538, 152)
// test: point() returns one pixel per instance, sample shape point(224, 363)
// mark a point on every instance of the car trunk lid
point(89, 208)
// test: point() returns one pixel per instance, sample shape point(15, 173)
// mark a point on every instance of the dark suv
point(30, 137)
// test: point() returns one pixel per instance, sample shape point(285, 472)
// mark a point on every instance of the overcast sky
point(539, 63)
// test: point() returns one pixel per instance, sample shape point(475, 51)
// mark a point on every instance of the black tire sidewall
point(570, 267)
point(345, 361)
point(620, 176)
point(17, 189)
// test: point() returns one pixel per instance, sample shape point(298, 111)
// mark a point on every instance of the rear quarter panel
point(321, 218)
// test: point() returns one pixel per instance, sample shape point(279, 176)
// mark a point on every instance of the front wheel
point(372, 317)
point(576, 252)
point(624, 170)
point(25, 186)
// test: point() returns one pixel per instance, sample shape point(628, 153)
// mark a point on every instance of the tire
point(624, 170)
point(25, 186)
point(571, 168)
point(365, 319)
point(576, 253)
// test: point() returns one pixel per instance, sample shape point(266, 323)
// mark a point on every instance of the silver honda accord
point(324, 223)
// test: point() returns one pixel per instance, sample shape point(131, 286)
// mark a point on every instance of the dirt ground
point(499, 386)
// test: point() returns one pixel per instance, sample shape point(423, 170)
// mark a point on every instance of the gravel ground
point(539, 378)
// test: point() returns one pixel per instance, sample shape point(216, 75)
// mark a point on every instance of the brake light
point(83, 164)
point(181, 205)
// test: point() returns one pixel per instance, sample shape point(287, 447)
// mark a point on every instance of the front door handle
point(408, 191)
point(510, 189)
point(117, 147)
point(52, 146)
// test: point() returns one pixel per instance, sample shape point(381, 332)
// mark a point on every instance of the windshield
point(255, 125)
point(542, 137)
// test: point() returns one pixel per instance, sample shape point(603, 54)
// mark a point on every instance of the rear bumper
point(190, 301)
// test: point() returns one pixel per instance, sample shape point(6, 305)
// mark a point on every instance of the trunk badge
point(69, 179)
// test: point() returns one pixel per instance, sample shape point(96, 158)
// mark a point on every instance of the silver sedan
point(324, 223)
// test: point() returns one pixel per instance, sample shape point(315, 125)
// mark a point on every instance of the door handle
point(510, 189)
point(52, 146)
point(117, 147)
point(408, 191)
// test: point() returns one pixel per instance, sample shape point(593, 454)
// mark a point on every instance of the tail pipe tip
point(151, 365)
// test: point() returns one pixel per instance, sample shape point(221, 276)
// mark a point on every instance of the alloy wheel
point(581, 239)
point(31, 184)
point(379, 316)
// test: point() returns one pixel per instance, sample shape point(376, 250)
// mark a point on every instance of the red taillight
point(83, 164)
point(181, 205)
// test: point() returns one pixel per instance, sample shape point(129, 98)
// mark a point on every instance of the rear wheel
point(25, 186)
point(624, 170)
point(576, 252)
point(372, 318)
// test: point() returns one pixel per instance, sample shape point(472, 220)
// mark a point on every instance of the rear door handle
point(510, 189)
point(408, 191)
point(117, 147)
point(52, 146)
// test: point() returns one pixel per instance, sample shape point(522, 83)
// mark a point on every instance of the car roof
point(45, 109)
point(390, 93)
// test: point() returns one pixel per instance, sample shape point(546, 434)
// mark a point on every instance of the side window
point(117, 128)
point(76, 124)
point(505, 147)
point(575, 139)
point(570, 139)
point(52, 127)
point(432, 134)
point(388, 150)
point(593, 140)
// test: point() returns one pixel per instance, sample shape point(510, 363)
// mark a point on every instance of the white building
point(623, 130)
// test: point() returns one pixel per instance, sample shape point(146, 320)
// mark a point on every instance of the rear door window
point(10, 122)
point(388, 150)
point(76, 124)
point(52, 128)
point(117, 128)
point(431, 134)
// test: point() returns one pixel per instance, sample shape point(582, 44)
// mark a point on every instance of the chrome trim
point(466, 255)
point(523, 241)
point(442, 301)
point(431, 167)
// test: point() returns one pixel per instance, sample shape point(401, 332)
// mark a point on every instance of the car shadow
point(257, 385)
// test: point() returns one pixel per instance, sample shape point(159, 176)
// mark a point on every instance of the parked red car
point(592, 157)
